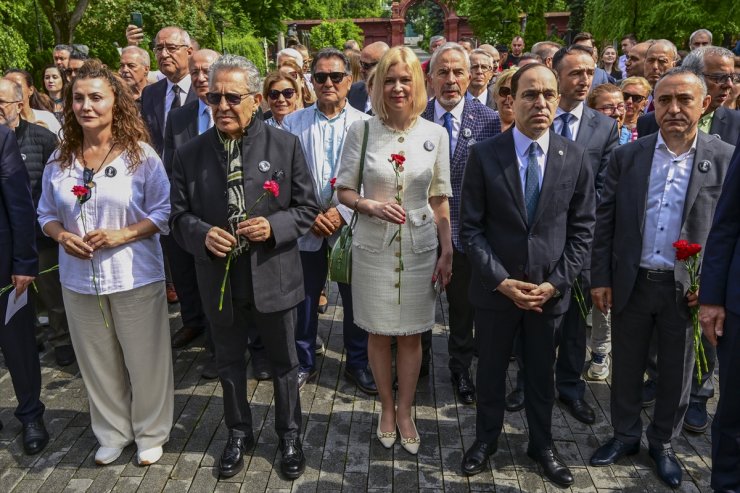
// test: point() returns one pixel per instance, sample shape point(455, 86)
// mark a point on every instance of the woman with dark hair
point(282, 94)
point(36, 106)
point(105, 200)
point(54, 83)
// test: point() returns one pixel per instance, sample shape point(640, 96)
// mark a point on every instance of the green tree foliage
point(671, 19)
point(14, 52)
point(494, 21)
point(427, 19)
point(63, 16)
point(536, 25)
point(249, 47)
point(334, 34)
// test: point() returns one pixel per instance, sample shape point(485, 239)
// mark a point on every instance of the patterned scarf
point(237, 211)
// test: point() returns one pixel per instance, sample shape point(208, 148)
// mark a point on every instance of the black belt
point(656, 275)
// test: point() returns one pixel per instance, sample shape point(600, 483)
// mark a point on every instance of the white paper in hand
point(15, 304)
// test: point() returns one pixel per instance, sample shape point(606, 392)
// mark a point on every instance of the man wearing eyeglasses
point(369, 58)
point(172, 50)
point(481, 71)
point(321, 130)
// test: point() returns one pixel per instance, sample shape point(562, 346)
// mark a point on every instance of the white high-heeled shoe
point(411, 445)
point(387, 438)
point(149, 456)
point(106, 455)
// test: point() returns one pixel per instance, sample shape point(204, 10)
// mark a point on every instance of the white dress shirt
point(456, 112)
point(575, 123)
point(521, 144)
point(482, 97)
point(169, 97)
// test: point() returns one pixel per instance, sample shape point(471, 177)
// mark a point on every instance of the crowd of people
point(525, 184)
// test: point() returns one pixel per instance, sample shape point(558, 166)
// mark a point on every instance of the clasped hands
point(83, 247)
point(255, 229)
point(525, 295)
point(327, 223)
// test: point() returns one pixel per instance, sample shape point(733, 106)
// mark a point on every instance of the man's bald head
point(370, 56)
point(199, 67)
point(636, 59)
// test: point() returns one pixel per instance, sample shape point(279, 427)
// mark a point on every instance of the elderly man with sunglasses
point(322, 129)
point(369, 57)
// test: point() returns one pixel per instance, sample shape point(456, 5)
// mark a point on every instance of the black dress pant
point(460, 344)
point(18, 343)
point(182, 268)
point(277, 333)
point(495, 333)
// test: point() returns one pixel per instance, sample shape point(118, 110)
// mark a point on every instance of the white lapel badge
point(467, 133)
point(429, 146)
point(263, 166)
point(704, 166)
point(560, 153)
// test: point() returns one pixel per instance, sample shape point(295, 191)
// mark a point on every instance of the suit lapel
point(193, 122)
point(429, 111)
point(467, 125)
point(586, 129)
point(556, 157)
point(159, 104)
point(643, 165)
point(718, 122)
point(697, 178)
point(192, 96)
point(507, 160)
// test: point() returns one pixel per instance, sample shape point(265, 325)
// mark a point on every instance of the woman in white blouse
point(110, 262)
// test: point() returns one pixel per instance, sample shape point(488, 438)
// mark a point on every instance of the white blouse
point(119, 198)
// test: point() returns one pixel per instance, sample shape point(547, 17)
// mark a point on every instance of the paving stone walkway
point(338, 435)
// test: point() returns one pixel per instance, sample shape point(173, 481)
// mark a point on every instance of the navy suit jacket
point(357, 95)
point(725, 125)
point(599, 135)
point(478, 123)
point(182, 125)
point(17, 214)
point(720, 272)
point(152, 111)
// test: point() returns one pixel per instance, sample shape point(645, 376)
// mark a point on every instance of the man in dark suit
point(369, 57)
point(19, 267)
point(467, 122)
point(659, 189)
point(720, 301)
point(481, 73)
point(526, 225)
point(598, 135)
point(217, 178)
point(172, 50)
point(716, 66)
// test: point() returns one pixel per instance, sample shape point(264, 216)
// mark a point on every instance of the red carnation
point(272, 186)
point(333, 182)
point(398, 159)
point(79, 191)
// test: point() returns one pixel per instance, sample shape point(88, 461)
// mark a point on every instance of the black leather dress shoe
point(666, 466)
point(552, 465)
point(232, 458)
point(363, 378)
point(185, 336)
point(515, 400)
point(464, 386)
point(210, 370)
point(305, 376)
point(35, 437)
point(294, 462)
point(580, 410)
point(612, 451)
point(64, 355)
point(476, 457)
point(261, 368)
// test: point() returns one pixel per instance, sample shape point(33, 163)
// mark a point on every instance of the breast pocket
point(423, 230)
point(371, 234)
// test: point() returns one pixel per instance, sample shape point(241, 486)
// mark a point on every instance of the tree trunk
point(63, 21)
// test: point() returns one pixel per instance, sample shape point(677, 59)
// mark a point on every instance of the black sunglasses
point(232, 99)
point(504, 91)
point(336, 77)
point(636, 98)
point(88, 183)
point(275, 94)
point(367, 66)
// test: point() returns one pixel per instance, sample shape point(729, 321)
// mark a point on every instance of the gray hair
point(16, 88)
point(545, 49)
point(290, 52)
point(666, 42)
point(698, 32)
point(63, 47)
point(694, 61)
point(684, 71)
point(478, 51)
point(140, 52)
point(436, 38)
point(182, 32)
point(236, 63)
point(331, 53)
point(450, 46)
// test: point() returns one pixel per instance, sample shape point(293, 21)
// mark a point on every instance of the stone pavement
point(338, 426)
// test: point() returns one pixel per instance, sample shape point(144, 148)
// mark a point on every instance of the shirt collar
point(203, 107)
point(323, 117)
point(577, 111)
point(456, 111)
point(522, 142)
point(660, 144)
point(183, 83)
point(706, 119)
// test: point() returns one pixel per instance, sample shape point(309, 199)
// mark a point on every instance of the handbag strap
point(362, 168)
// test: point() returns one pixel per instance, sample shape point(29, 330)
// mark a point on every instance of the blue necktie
point(448, 125)
point(532, 183)
point(565, 131)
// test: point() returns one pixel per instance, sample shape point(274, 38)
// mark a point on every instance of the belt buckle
point(655, 275)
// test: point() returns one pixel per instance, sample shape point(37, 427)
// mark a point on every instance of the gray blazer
point(599, 135)
point(494, 228)
point(621, 212)
point(199, 201)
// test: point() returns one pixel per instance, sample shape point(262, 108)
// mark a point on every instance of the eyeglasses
point(169, 48)
point(482, 68)
point(636, 98)
point(723, 78)
point(367, 66)
point(232, 99)
point(88, 183)
point(336, 77)
point(533, 96)
point(504, 91)
point(275, 94)
point(610, 109)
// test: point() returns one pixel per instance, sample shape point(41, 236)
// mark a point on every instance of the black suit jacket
point(494, 228)
point(17, 215)
point(182, 125)
point(357, 95)
point(199, 201)
point(152, 111)
point(599, 135)
point(725, 125)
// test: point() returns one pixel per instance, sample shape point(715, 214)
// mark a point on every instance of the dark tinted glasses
point(275, 94)
point(504, 91)
point(636, 98)
point(232, 99)
point(367, 66)
point(336, 77)
point(88, 183)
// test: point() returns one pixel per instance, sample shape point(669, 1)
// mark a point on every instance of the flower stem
point(223, 283)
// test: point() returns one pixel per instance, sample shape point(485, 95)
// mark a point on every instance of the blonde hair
point(502, 78)
point(396, 55)
point(637, 81)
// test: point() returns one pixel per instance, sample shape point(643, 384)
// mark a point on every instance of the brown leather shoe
point(323, 303)
point(171, 293)
point(185, 336)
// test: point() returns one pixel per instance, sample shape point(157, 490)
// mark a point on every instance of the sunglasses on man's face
point(274, 94)
point(232, 99)
point(336, 77)
point(367, 65)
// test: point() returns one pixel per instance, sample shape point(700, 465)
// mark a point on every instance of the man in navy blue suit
point(467, 121)
point(719, 296)
point(19, 266)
